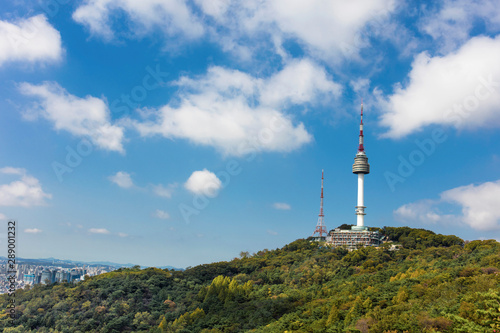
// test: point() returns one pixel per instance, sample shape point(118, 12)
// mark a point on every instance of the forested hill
point(434, 283)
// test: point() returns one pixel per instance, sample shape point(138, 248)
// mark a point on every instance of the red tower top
point(361, 148)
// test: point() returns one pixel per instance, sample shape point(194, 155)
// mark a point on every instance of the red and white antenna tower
point(320, 231)
point(361, 147)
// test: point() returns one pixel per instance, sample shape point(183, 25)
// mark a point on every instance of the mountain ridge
point(434, 283)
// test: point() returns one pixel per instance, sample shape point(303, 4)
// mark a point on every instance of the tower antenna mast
point(320, 231)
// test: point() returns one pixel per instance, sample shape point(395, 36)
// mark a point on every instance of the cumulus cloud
point(25, 192)
point(451, 23)
point(164, 191)
point(299, 82)
point(480, 207)
point(3, 217)
point(421, 212)
point(329, 29)
point(239, 114)
point(122, 234)
point(122, 179)
point(82, 117)
point(32, 231)
point(282, 206)
point(172, 17)
point(101, 231)
point(203, 182)
point(480, 204)
point(360, 86)
point(30, 40)
point(13, 171)
point(461, 89)
point(160, 214)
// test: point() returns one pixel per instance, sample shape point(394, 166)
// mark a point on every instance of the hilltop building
point(354, 238)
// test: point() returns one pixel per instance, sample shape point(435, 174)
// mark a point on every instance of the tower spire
point(361, 147)
point(320, 231)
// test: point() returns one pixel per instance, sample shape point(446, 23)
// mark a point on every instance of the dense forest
point(434, 283)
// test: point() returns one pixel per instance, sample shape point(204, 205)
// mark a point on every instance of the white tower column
point(360, 208)
point(361, 197)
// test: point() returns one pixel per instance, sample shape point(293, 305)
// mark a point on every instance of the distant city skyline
point(185, 132)
point(29, 275)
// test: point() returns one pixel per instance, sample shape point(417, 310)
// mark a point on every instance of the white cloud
point(239, 114)
point(461, 89)
point(31, 40)
point(331, 30)
point(101, 231)
point(451, 24)
point(272, 232)
point(3, 217)
point(360, 86)
point(32, 231)
point(421, 212)
point(163, 191)
point(122, 234)
point(172, 17)
point(25, 192)
point(82, 117)
point(122, 179)
point(300, 82)
point(160, 214)
point(215, 8)
point(328, 29)
point(13, 171)
point(480, 205)
point(282, 206)
point(203, 182)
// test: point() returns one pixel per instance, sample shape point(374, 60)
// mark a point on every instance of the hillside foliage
point(435, 283)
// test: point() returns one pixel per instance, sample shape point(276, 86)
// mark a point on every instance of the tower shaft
point(360, 208)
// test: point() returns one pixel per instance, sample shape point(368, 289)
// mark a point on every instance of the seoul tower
point(361, 168)
point(320, 227)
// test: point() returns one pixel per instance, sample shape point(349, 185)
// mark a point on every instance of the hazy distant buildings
point(29, 279)
point(28, 274)
point(75, 274)
point(61, 276)
point(46, 276)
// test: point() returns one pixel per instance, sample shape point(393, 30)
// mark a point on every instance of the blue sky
point(183, 132)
